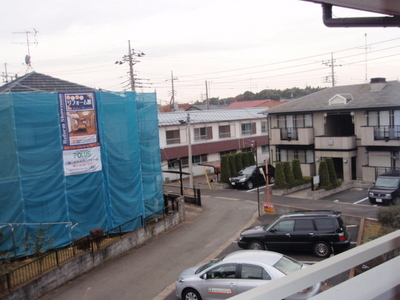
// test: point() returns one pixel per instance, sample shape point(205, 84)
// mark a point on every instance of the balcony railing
point(224, 135)
point(173, 141)
point(289, 133)
point(387, 132)
point(380, 282)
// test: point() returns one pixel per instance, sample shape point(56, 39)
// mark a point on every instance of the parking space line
point(226, 198)
point(362, 200)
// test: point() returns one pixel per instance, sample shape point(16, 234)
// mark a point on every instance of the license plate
point(379, 200)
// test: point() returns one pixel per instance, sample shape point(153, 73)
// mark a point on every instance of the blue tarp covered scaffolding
point(34, 188)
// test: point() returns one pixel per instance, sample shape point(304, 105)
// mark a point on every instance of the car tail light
point(342, 237)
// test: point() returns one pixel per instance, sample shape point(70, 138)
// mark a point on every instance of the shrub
point(232, 165)
point(390, 217)
point(297, 173)
point(323, 175)
point(287, 171)
point(252, 160)
point(225, 169)
point(280, 181)
point(238, 161)
point(245, 159)
point(331, 171)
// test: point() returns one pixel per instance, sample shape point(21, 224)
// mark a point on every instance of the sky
point(228, 46)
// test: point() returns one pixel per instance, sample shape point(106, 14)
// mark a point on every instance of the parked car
point(236, 273)
point(316, 231)
point(386, 189)
point(252, 176)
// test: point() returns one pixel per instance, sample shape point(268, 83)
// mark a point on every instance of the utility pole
point(172, 101)
point(5, 74)
point(129, 59)
point(331, 64)
point(208, 100)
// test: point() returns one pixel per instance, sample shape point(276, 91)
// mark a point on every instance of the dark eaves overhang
point(386, 7)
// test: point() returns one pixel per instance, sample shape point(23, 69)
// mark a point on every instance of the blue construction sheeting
point(34, 189)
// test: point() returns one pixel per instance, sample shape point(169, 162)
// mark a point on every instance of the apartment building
point(358, 126)
point(207, 135)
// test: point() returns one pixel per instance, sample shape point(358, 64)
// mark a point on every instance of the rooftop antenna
point(33, 33)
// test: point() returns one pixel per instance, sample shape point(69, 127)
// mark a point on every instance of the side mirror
point(272, 230)
point(204, 276)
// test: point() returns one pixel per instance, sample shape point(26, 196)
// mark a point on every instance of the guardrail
point(380, 282)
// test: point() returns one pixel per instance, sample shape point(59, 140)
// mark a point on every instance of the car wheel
point(191, 294)
point(249, 184)
point(395, 201)
point(372, 201)
point(256, 245)
point(322, 249)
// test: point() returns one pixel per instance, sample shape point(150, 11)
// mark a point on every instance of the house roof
point(352, 97)
point(208, 116)
point(37, 82)
point(255, 103)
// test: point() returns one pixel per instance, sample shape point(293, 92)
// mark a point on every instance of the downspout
point(357, 22)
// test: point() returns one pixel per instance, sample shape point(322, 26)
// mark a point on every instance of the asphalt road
point(149, 272)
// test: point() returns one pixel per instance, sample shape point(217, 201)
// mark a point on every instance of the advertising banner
point(79, 132)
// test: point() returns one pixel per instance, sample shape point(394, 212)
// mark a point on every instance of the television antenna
point(33, 33)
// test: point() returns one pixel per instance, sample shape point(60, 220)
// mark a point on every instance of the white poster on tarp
point(79, 161)
point(80, 139)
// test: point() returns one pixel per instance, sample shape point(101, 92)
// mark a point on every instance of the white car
point(236, 273)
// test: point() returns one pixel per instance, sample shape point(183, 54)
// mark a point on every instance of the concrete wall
point(90, 260)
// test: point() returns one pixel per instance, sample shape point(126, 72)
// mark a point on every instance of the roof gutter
point(357, 22)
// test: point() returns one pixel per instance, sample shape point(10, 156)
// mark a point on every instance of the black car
point(386, 189)
point(252, 176)
point(316, 231)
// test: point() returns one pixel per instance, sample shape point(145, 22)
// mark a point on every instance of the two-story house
point(207, 135)
point(358, 126)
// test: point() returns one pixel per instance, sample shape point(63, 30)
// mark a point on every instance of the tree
point(252, 160)
point(280, 181)
point(287, 170)
point(245, 159)
point(225, 169)
point(323, 175)
point(331, 171)
point(297, 173)
point(232, 164)
point(238, 161)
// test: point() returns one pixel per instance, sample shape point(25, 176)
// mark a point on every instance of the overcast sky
point(235, 46)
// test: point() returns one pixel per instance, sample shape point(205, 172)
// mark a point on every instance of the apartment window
point(264, 149)
point(173, 137)
point(305, 156)
point(264, 126)
point(248, 128)
point(199, 159)
point(386, 124)
point(227, 152)
point(174, 163)
point(224, 131)
point(295, 121)
point(203, 133)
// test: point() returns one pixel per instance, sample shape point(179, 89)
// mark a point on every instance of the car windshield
point(287, 265)
point(387, 182)
point(207, 265)
point(246, 171)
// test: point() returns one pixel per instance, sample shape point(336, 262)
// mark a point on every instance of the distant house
point(39, 83)
point(210, 134)
point(358, 126)
point(255, 103)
